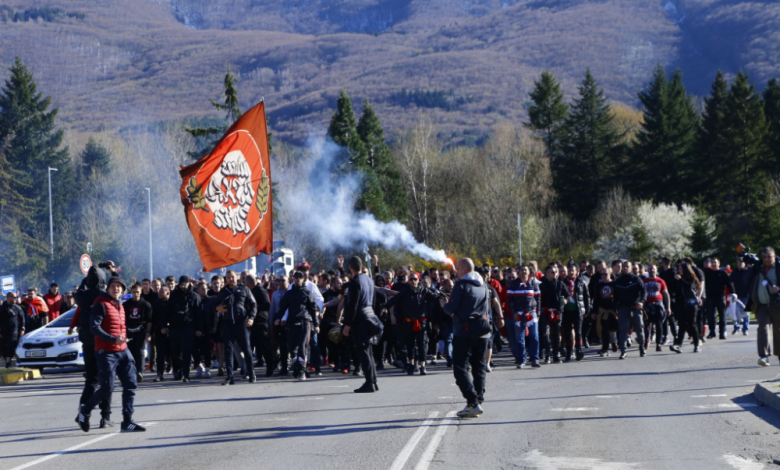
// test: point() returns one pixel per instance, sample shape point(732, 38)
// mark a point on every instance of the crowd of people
point(306, 323)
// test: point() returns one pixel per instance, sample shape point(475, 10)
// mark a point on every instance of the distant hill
point(469, 64)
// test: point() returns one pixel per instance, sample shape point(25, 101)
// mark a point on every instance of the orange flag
point(227, 195)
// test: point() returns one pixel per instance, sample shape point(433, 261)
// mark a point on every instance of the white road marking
point(726, 405)
point(71, 449)
point(406, 452)
point(574, 409)
point(430, 451)
point(310, 398)
point(708, 396)
point(607, 396)
point(742, 464)
point(535, 459)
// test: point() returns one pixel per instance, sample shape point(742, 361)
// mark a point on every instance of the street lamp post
point(51, 217)
point(151, 264)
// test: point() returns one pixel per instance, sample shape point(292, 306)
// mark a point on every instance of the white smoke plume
point(321, 203)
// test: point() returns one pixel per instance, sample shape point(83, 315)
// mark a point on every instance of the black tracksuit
point(241, 306)
point(301, 318)
point(358, 311)
point(715, 284)
point(260, 332)
point(629, 289)
point(411, 310)
point(137, 316)
point(573, 312)
point(550, 319)
point(11, 326)
point(671, 284)
point(160, 313)
point(687, 311)
point(184, 320)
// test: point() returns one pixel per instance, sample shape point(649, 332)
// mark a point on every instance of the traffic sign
point(85, 263)
point(8, 284)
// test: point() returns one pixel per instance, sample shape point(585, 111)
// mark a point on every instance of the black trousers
point(572, 321)
point(687, 318)
point(384, 349)
point(717, 304)
point(670, 323)
point(279, 348)
point(549, 336)
point(163, 347)
point(91, 381)
point(416, 342)
point(202, 350)
point(182, 341)
point(136, 347)
point(656, 315)
point(260, 340)
point(152, 351)
point(238, 333)
point(298, 342)
point(365, 356)
point(473, 351)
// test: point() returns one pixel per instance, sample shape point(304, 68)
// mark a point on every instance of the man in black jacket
point(409, 308)
point(742, 278)
point(184, 327)
point(716, 282)
point(630, 294)
point(359, 318)
point(667, 273)
point(11, 327)
point(300, 318)
point(237, 309)
point(138, 320)
point(161, 310)
point(259, 335)
point(469, 298)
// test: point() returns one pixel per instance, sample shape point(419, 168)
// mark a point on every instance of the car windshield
point(63, 321)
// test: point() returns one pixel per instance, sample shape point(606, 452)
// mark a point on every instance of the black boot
point(366, 388)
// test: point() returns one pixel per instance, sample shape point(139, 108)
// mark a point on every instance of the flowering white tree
point(668, 230)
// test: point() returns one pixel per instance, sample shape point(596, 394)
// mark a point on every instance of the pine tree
point(746, 175)
point(704, 234)
point(95, 159)
point(548, 111)
point(710, 160)
point(772, 112)
point(664, 146)
point(343, 130)
point(584, 167)
point(207, 137)
point(379, 161)
point(32, 146)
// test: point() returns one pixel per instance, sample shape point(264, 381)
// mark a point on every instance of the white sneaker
point(764, 361)
point(470, 411)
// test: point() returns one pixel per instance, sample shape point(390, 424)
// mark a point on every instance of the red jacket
point(109, 315)
point(53, 302)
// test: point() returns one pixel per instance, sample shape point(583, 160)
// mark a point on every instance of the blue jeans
point(445, 334)
point(111, 365)
point(523, 349)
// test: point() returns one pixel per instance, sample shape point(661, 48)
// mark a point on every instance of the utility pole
point(519, 241)
point(51, 219)
point(151, 263)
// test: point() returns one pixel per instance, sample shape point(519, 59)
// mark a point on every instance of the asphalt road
point(665, 411)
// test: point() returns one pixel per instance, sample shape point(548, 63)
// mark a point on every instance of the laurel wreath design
point(263, 189)
point(195, 195)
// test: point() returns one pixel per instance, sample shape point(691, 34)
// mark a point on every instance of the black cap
point(299, 274)
point(184, 280)
point(482, 271)
point(116, 279)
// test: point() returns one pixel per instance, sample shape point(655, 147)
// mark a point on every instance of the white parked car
point(51, 346)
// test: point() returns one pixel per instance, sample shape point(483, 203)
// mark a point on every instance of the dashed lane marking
point(71, 449)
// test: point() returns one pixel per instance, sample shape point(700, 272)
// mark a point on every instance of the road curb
point(12, 376)
point(768, 393)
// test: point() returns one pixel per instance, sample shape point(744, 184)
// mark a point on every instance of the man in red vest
point(113, 357)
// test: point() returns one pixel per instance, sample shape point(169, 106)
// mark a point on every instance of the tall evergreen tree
point(548, 110)
point(743, 141)
point(379, 161)
point(32, 145)
point(662, 155)
point(207, 137)
point(95, 159)
point(343, 129)
point(772, 112)
point(710, 159)
point(584, 165)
